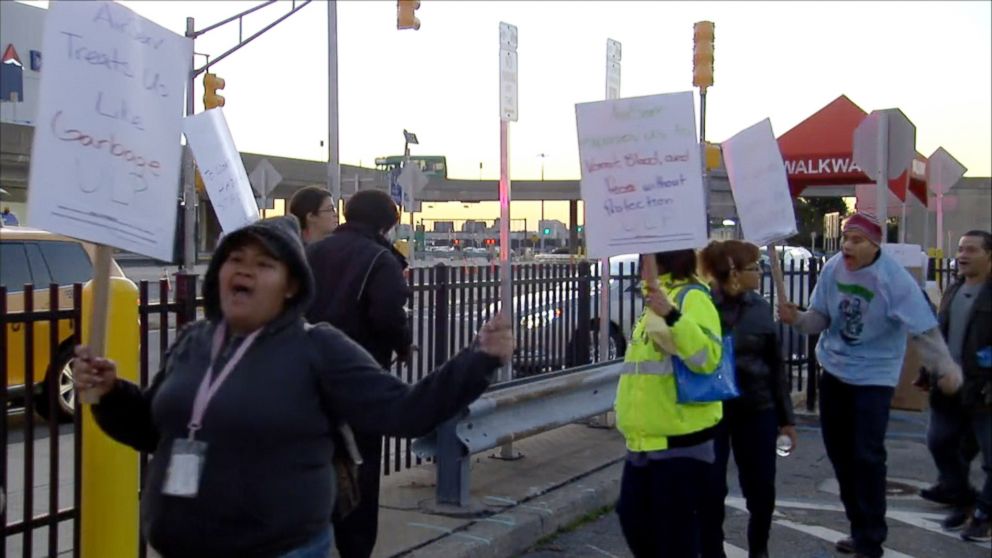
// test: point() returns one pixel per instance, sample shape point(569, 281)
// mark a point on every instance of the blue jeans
point(317, 547)
point(854, 420)
point(659, 507)
point(752, 437)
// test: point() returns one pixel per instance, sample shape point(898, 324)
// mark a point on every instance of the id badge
point(185, 465)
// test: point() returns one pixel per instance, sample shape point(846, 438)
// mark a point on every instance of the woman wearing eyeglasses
point(314, 209)
point(753, 421)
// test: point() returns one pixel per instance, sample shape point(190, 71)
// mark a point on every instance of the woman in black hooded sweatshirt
point(240, 419)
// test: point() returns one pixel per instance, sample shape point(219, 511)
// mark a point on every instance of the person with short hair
point(864, 306)
point(314, 208)
point(752, 422)
point(9, 218)
point(670, 448)
point(958, 421)
point(362, 291)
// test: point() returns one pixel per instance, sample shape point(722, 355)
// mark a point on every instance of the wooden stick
point(649, 270)
point(777, 275)
point(98, 314)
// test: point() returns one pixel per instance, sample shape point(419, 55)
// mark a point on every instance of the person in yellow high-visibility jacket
point(670, 446)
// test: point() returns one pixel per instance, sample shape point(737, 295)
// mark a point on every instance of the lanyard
point(207, 388)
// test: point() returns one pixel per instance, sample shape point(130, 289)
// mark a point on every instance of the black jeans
point(952, 444)
point(354, 536)
point(659, 507)
point(854, 420)
point(752, 437)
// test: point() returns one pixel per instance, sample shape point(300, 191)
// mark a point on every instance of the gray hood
point(281, 235)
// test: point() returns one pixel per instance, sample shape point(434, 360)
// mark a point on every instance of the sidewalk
point(564, 475)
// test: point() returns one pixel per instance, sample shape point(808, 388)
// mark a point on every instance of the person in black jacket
point(362, 291)
point(753, 421)
point(958, 421)
point(240, 419)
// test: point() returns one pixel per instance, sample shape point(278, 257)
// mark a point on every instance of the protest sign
point(760, 186)
point(105, 160)
point(222, 169)
point(641, 175)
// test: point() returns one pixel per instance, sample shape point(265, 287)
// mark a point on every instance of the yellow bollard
point(109, 501)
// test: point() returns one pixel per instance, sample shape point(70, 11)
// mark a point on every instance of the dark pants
point(354, 536)
point(982, 426)
point(752, 437)
point(659, 507)
point(952, 444)
point(854, 420)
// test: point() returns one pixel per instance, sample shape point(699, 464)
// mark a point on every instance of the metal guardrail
point(512, 411)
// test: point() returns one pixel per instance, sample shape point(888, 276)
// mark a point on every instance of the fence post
point(584, 316)
point(185, 298)
point(452, 462)
point(812, 367)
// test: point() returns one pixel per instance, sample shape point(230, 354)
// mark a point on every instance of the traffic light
point(713, 156)
point(198, 181)
point(580, 228)
point(547, 231)
point(405, 17)
point(702, 54)
point(212, 83)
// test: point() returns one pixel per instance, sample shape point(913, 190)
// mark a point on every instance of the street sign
point(943, 171)
point(613, 56)
point(901, 142)
point(411, 181)
point(508, 87)
point(264, 178)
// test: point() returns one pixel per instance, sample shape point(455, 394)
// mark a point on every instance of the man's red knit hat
point(866, 224)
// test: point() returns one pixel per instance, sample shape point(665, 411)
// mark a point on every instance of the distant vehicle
point(431, 165)
point(34, 256)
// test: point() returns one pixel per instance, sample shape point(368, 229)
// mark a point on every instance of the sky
point(777, 60)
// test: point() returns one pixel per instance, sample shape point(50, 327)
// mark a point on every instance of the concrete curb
point(519, 526)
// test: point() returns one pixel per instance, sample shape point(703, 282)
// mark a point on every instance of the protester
point(314, 209)
point(864, 305)
point(361, 291)
point(9, 218)
point(752, 422)
point(957, 421)
point(239, 421)
point(670, 447)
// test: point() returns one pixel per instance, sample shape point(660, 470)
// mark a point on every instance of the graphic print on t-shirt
point(853, 306)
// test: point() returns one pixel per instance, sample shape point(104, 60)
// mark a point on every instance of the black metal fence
point(556, 309)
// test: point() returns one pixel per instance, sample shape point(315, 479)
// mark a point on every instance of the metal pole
point(506, 280)
point(406, 161)
point(881, 179)
point(333, 156)
point(189, 187)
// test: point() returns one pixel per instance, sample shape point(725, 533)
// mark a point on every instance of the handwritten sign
point(222, 169)
point(760, 187)
point(908, 255)
point(105, 161)
point(641, 175)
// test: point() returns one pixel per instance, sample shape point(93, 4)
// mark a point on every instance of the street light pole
point(541, 224)
point(333, 145)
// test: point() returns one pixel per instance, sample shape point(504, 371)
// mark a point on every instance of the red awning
point(818, 152)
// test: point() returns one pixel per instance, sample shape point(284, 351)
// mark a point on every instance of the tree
point(809, 218)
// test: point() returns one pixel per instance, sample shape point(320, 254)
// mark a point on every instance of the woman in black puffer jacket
point(753, 421)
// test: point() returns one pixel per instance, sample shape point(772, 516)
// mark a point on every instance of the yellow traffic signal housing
point(211, 84)
point(713, 156)
point(405, 16)
point(702, 54)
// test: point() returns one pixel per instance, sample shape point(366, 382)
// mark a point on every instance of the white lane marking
point(733, 552)
point(830, 535)
point(502, 519)
point(601, 551)
point(929, 522)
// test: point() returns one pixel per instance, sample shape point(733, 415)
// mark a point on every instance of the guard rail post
point(812, 367)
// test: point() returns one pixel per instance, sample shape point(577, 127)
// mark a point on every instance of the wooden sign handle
point(98, 314)
point(777, 275)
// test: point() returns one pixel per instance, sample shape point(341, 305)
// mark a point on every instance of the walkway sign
point(641, 175)
point(759, 184)
point(105, 164)
point(264, 179)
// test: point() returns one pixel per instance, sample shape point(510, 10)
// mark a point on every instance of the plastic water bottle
point(783, 445)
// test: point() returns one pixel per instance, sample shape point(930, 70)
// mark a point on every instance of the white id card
point(185, 464)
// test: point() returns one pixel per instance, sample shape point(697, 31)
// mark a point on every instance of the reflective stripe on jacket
point(648, 412)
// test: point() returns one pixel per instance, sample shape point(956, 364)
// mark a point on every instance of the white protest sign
point(759, 183)
point(908, 255)
point(105, 160)
point(222, 169)
point(641, 175)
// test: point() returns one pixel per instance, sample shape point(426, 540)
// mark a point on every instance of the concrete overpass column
point(573, 226)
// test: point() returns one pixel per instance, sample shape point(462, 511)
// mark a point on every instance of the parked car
point(40, 258)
